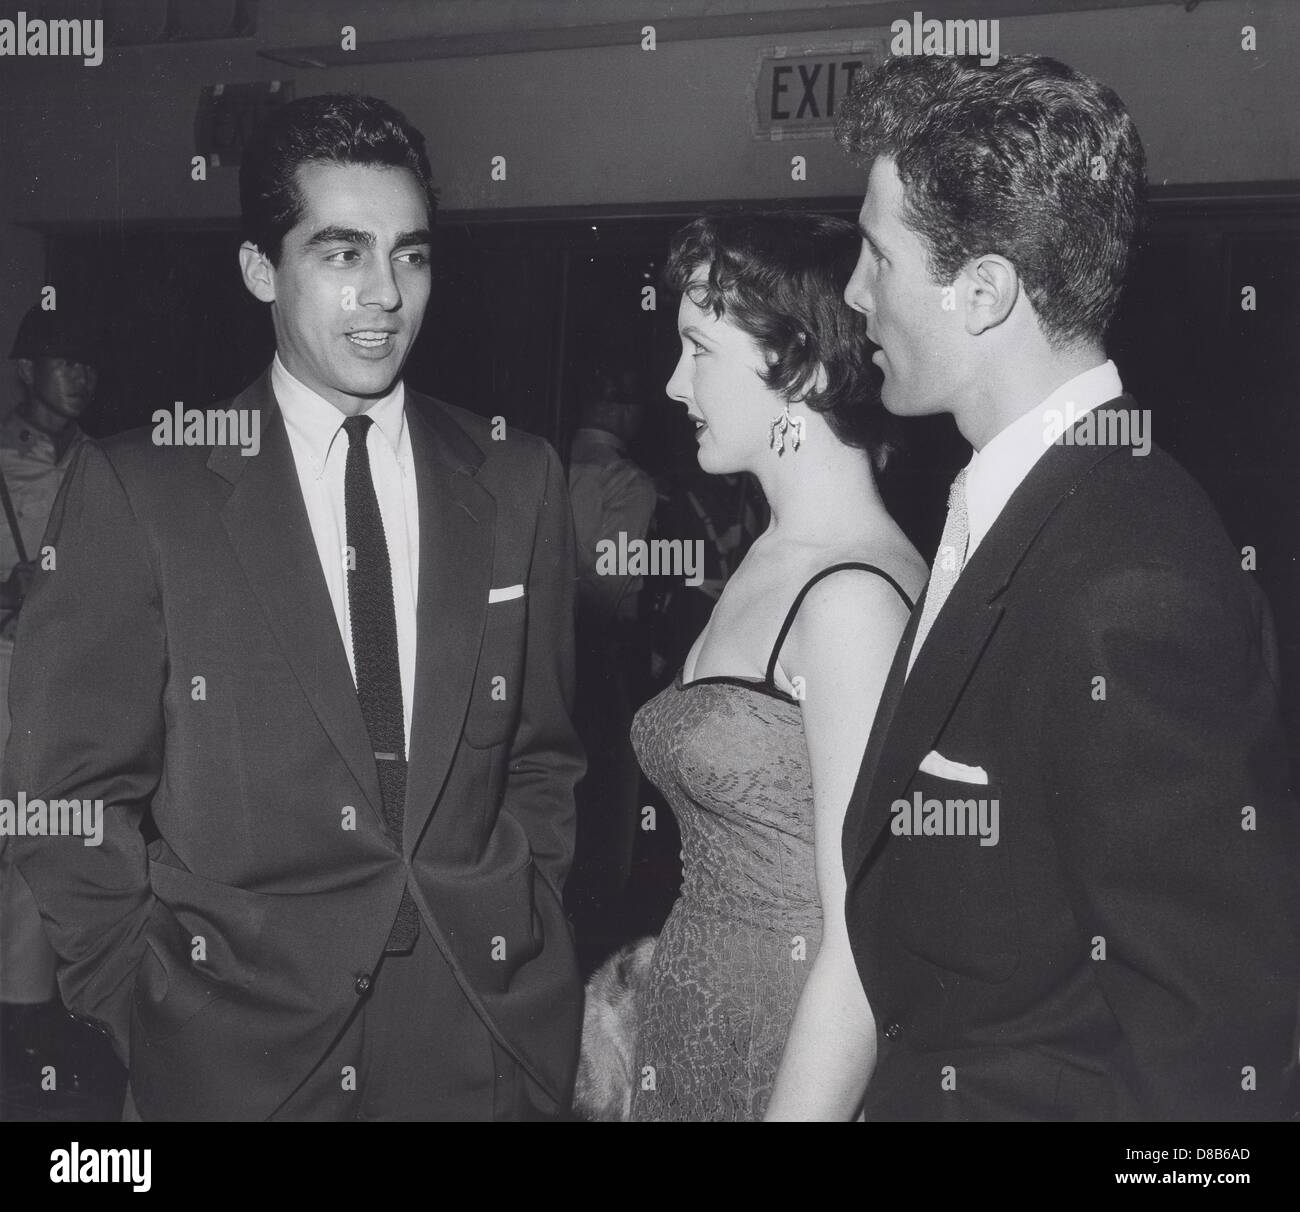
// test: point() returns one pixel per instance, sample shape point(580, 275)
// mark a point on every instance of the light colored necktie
point(948, 562)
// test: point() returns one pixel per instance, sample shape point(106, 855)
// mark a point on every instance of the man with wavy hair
point(1086, 674)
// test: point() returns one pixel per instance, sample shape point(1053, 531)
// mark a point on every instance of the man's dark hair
point(1027, 159)
point(780, 277)
point(327, 129)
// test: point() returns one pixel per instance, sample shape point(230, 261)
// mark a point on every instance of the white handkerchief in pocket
point(505, 594)
point(944, 768)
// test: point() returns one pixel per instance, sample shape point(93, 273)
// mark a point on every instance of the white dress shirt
point(995, 472)
point(320, 451)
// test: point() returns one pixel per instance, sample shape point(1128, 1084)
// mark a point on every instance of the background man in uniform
point(609, 493)
point(54, 355)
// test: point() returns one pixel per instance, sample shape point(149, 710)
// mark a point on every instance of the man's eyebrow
point(692, 332)
point(341, 235)
point(870, 239)
point(421, 235)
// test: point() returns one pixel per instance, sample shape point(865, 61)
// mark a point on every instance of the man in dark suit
point(330, 665)
point(1072, 851)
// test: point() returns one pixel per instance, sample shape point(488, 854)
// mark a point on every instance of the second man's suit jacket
point(1129, 946)
point(183, 660)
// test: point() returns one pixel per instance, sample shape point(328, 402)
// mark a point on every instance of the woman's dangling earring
point(781, 425)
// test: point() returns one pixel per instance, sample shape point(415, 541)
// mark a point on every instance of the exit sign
point(795, 94)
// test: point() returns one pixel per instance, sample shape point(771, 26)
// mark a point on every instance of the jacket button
point(893, 1030)
point(362, 985)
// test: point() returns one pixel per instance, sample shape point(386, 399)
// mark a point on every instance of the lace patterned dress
point(730, 756)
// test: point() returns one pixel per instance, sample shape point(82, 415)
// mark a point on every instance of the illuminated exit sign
point(795, 93)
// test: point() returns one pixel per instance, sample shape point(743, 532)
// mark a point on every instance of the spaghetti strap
point(794, 609)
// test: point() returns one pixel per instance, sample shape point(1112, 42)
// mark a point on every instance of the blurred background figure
point(727, 513)
point(55, 360)
point(55, 356)
point(610, 494)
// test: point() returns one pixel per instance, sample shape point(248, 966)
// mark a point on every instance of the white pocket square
point(505, 594)
point(944, 768)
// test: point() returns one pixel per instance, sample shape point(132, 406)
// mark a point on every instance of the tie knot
point(356, 428)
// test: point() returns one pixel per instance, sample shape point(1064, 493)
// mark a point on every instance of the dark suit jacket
point(1120, 822)
point(184, 657)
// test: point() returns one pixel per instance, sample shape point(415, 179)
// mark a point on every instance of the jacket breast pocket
point(946, 879)
point(498, 683)
point(201, 942)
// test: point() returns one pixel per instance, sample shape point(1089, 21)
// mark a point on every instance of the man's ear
point(26, 371)
point(992, 288)
point(258, 272)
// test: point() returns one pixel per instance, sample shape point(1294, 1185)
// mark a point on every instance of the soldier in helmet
point(54, 355)
point(55, 358)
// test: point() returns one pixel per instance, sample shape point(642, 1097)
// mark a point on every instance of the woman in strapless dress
point(753, 1007)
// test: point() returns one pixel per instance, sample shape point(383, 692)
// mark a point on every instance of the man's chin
point(895, 402)
point(371, 382)
point(905, 404)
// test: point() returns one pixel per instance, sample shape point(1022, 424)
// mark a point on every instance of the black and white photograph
point(685, 561)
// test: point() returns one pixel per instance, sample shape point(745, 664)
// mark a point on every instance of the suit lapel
point(922, 706)
point(457, 538)
point(918, 709)
point(268, 526)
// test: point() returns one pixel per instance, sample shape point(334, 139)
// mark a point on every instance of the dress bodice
point(730, 756)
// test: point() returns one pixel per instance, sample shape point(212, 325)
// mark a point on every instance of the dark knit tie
point(374, 650)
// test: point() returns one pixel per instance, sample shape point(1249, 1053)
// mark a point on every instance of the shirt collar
point(995, 472)
point(18, 432)
point(314, 422)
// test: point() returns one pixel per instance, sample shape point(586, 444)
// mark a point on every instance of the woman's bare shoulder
point(893, 555)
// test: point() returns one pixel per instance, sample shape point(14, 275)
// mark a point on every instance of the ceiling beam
point(675, 29)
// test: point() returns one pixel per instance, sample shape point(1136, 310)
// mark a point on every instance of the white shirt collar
point(314, 422)
point(995, 472)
